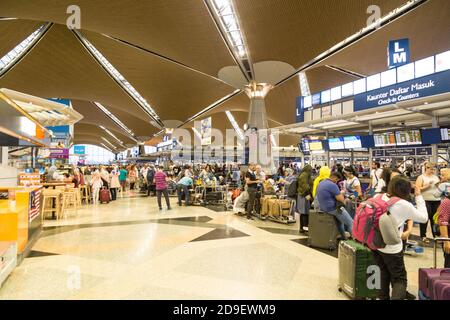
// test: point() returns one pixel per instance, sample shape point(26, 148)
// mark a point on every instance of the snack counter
point(20, 216)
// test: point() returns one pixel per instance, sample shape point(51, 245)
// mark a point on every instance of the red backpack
point(366, 223)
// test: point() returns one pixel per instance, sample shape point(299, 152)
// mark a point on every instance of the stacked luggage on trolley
point(274, 206)
point(210, 194)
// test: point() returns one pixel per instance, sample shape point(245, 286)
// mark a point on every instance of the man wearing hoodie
point(304, 191)
point(324, 173)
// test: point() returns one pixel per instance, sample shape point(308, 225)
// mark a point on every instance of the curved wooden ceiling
point(182, 52)
point(13, 32)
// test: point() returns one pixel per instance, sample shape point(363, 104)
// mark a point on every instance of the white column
point(4, 156)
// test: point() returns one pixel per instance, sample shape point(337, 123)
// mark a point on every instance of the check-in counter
point(21, 217)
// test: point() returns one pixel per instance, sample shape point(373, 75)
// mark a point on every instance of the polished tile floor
point(128, 249)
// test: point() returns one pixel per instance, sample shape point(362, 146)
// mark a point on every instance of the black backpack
point(292, 189)
point(150, 176)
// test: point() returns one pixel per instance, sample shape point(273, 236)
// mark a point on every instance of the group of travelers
point(338, 192)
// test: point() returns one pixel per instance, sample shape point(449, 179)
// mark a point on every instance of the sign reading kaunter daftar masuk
point(414, 89)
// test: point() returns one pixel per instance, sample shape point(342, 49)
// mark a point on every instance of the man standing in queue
point(252, 187)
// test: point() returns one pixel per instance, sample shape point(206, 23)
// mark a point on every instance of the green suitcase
point(356, 271)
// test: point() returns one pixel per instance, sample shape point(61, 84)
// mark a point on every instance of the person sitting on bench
point(329, 197)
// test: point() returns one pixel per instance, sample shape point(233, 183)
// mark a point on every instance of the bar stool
point(85, 191)
point(69, 201)
point(78, 196)
point(52, 206)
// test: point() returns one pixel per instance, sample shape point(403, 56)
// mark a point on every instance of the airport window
point(96, 154)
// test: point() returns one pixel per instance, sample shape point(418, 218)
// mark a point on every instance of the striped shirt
point(160, 180)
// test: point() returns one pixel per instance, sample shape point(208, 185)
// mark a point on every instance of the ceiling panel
point(427, 27)
point(13, 32)
point(59, 66)
point(179, 29)
point(323, 78)
point(94, 121)
point(296, 31)
point(174, 92)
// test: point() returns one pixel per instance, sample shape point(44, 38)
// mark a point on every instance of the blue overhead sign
point(434, 84)
point(398, 53)
point(79, 150)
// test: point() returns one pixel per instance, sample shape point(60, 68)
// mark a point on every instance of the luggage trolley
point(284, 213)
point(197, 196)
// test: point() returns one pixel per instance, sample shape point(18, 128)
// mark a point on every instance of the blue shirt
point(326, 195)
point(186, 181)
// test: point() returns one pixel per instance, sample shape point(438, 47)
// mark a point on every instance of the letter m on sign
point(398, 53)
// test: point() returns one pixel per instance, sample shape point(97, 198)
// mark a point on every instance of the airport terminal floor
point(304, 146)
point(129, 249)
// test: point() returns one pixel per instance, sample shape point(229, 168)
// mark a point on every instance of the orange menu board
point(29, 179)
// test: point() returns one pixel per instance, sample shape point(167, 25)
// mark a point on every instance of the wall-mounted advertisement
point(205, 131)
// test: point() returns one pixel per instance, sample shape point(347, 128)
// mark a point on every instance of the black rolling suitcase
point(213, 197)
point(322, 230)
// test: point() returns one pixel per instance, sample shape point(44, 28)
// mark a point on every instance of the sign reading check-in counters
point(418, 88)
point(402, 152)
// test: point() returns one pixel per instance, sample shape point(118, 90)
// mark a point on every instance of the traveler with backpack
point(290, 187)
point(304, 196)
point(428, 182)
point(328, 198)
point(150, 175)
point(394, 208)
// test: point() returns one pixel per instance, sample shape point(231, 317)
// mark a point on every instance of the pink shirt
point(444, 214)
point(160, 180)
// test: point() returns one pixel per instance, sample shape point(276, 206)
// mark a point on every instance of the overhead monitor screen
point(408, 137)
point(424, 67)
point(336, 143)
point(316, 99)
point(405, 73)
point(445, 134)
point(352, 142)
point(347, 89)
point(384, 139)
point(305, 145)
point(336, 93)
point(388, 77)
point(359, 86)
point(325, 96)
point(443, 61)
point(373, 82)
point(307, 102)
point(315, 145)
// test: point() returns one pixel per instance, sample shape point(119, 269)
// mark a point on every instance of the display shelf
point(8, 259)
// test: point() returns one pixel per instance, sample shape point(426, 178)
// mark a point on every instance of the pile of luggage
point(267, 207)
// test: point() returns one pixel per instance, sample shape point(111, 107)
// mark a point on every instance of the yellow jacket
point(324, 173)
